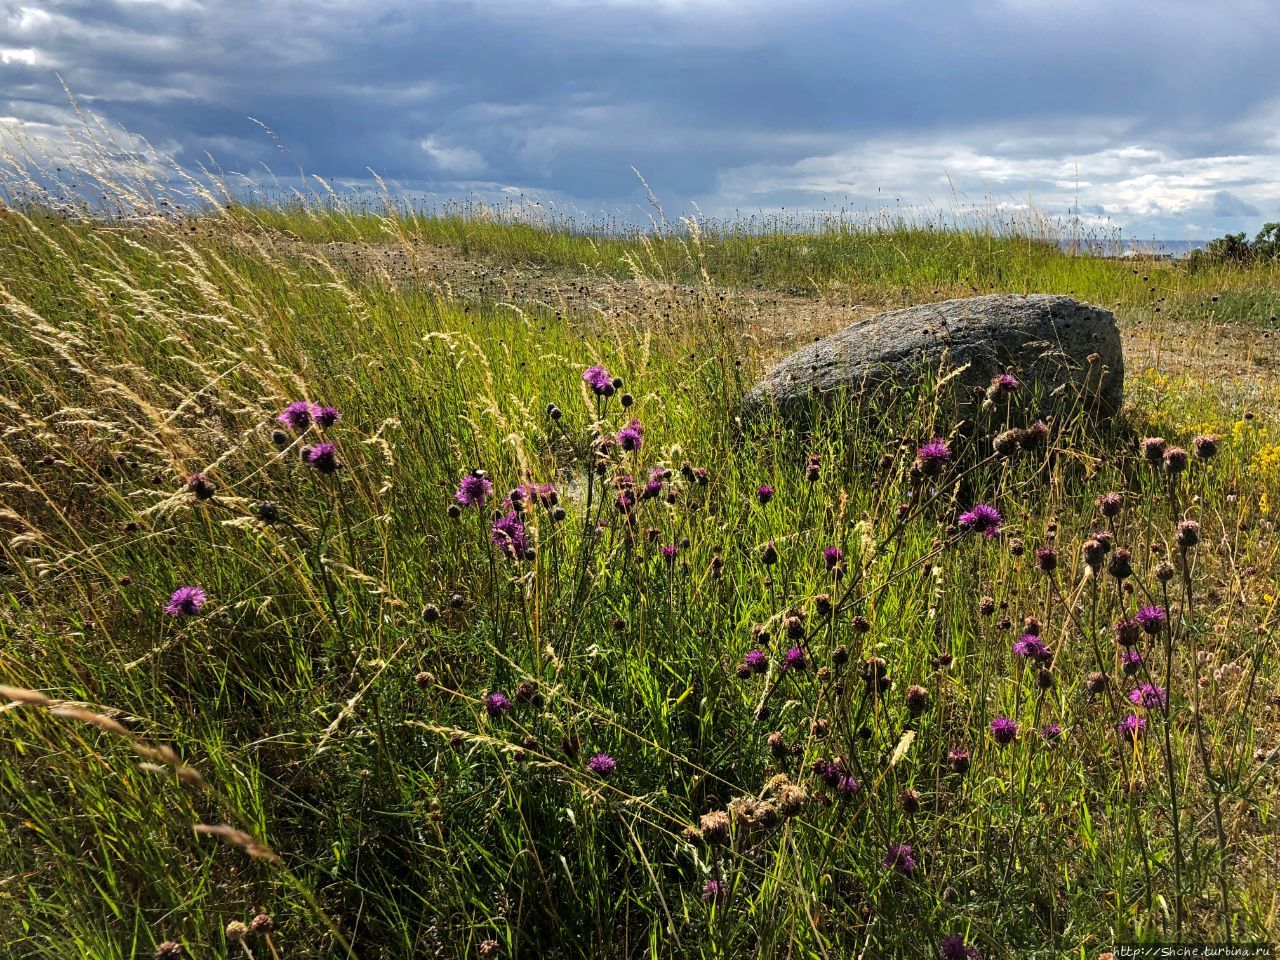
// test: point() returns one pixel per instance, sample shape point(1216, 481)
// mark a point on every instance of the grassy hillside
point(725, 692)
point(873, 259)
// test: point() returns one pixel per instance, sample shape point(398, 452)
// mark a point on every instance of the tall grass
point(322, 743)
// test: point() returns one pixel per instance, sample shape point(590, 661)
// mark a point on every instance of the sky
point(1158, 118)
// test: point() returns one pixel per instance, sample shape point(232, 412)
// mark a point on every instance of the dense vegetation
point(286, 676)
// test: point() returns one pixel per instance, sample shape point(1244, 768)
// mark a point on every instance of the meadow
point(347, 617)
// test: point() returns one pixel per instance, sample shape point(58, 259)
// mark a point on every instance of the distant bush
point(1237, 248)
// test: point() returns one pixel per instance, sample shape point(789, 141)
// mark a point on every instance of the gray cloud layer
point(1166, 109)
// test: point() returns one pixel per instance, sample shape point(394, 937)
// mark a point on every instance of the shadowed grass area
point(399, 703)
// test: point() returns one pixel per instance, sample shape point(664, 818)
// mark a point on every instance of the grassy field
point(728, 691)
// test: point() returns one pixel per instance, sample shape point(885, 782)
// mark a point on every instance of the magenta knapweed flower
point(1150, 695)
point(185, 602)
point(958, 758)
point(599, 380)
point(764, 494)
point(602, 765)
point(326, 416)
point(297, 416)
point(1051, 733)
point(669, 552)
point(474, 489)
point(1004, 731)
point(953, 947)
point(631, 437)
point(1130, 662)
point(847, 784)
point(900, 857)
point(508, 535)
point(756, 661)
point(323, 457)
point(497, 703)
point(983, 518)
point(714, 890)
point(794, 659)
point(1151, 618)
point(832, 557)
point(1132, 727)
point(1030, 646)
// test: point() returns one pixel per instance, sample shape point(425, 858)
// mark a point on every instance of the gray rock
point(1047, 341)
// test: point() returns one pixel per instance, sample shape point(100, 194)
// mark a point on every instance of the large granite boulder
point(1055, 345)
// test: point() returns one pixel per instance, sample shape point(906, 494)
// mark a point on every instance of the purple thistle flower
point(474, 489)
point(326, 416)
point(602, 765)
point(1151, 619)
point(1005, 383)
point(297, 415)
point(984, 519)
point(323, 457)
point(764, 494)
point(1030, 646)
point(599, 380)
point(832, 557)
point(794, 659)
point(653, 487)
point(1130, 662)
point(631, 437)
point(828, 771)
point(714, 890)
point(847, 784)
point(669, 552)
point(1132, 727)
point(185, 602)
point(1051, 733)
point(1004, 731)
point(497, 704)
point(900, 857)
point(953, 947)
point(756, 661)
point(544, 495)
point(933, 456)
point(1150, 695)
point(508, 534)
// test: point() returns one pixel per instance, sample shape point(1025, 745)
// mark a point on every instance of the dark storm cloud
point(1164, 107)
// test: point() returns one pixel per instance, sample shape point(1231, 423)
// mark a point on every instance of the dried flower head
point(917, 699)
point(1206, 446)
point(1153, 449)
point(201, 487)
